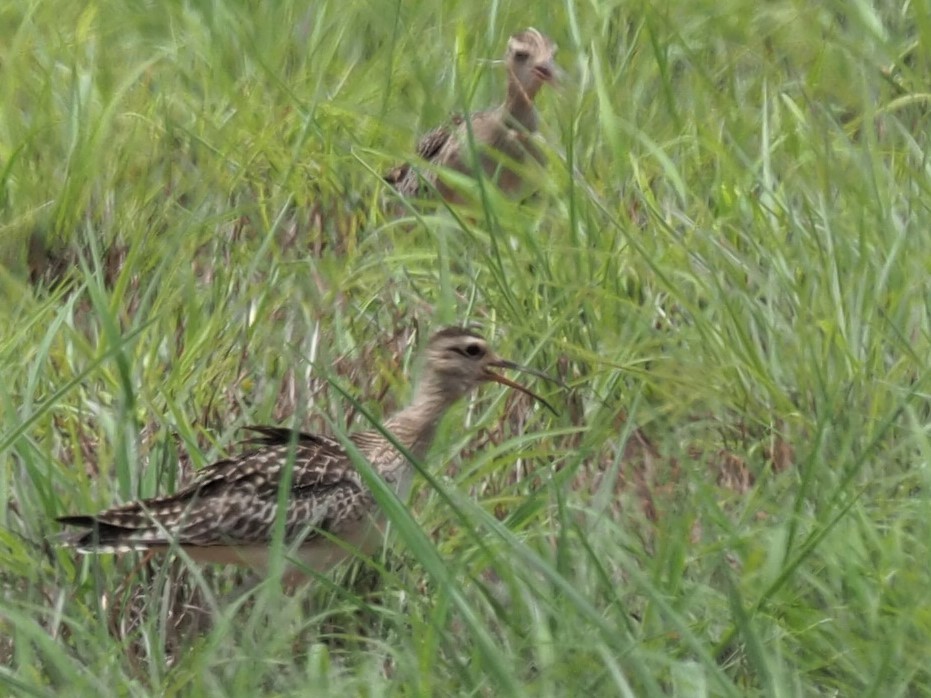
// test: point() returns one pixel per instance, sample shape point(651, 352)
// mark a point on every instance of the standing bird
point(503, 136)
point(228, 514)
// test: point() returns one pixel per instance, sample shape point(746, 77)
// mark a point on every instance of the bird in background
point(503, 137)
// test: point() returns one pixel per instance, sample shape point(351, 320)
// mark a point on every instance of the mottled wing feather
point(404, 177)
point(234, 501)
point(432, 143)
point(281, 436)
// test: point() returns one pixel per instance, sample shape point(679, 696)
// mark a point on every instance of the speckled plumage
point(503, 136)
point(228, 513)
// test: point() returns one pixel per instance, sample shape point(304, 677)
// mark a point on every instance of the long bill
point(496, 378)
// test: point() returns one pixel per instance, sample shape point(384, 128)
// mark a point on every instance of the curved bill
point(545, 72)
point(494, 377)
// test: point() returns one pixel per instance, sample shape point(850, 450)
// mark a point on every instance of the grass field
point(726, 261)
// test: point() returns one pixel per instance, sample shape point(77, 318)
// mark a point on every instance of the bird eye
point(473, 351)
point(521, 56)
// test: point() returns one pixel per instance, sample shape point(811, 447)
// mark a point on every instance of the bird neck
point(518, 105)
point(415, 425)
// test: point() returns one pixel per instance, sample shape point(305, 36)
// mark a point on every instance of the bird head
point(530, 60)
point(458, 361)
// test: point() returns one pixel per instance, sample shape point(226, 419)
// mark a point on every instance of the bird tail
point(96, 537)
point(396, 175)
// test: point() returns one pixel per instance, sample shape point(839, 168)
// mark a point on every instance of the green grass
point(727, 261)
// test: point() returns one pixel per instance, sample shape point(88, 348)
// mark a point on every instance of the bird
point(503, 136)
point(228, 513)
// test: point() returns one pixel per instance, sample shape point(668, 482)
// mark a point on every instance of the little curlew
point(228, 514)
point(503, 136)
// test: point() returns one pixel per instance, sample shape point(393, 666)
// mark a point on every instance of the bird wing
point(431, 143)
point(234, 501)
point(429, 147)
